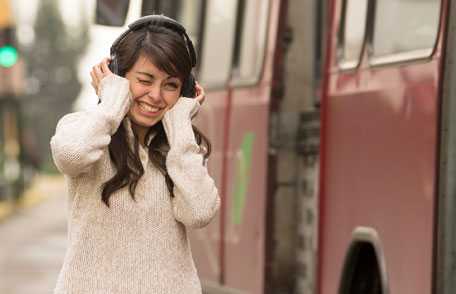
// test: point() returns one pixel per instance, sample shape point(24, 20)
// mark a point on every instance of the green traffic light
point(8, 56)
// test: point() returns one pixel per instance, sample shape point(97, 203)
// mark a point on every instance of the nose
point(154, 93)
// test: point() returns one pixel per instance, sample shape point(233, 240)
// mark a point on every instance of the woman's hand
point(98, 72)
point(200, 94)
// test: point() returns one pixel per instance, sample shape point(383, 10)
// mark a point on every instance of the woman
point(136, 172)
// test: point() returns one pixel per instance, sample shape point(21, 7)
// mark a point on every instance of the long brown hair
point(167, 50)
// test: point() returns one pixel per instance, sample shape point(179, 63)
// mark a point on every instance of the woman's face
point(154, 92)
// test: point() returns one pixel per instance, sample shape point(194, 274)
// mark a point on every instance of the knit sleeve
point(196, 199)
point(81, 137)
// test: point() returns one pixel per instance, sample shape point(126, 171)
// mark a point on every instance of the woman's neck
point(140, 132)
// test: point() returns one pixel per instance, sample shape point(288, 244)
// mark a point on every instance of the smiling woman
point(136, 168)
point(157, 63)
point(154, 92)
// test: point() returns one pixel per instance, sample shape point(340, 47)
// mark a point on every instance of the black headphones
point(188, 88)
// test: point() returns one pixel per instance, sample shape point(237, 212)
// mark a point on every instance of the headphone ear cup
point(188, 88)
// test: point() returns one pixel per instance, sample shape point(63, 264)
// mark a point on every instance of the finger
point(200, 98)
point(95, 88)
point(200, 92)
point(94, 82)
point(95, 71)
point(101, 65)
point(199, 88)
point(94, 77)
point(98, 71)
point(105, 67)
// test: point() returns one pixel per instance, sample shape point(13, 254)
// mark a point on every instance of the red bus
point(381, 129)
point(383, 171)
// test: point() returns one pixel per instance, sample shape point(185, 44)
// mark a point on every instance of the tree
point(52, 80)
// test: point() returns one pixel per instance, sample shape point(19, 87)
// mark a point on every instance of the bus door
point(235, 67)
point(380, 144)
point(211, 27)
point(244, 229)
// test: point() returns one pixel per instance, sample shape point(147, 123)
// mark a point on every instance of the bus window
point(238, 33)
point(217, 52)
point(189, 12)
point(151, 7)
point(111, 12)
point(405, 29)
point(352, 32)
point(250, 41)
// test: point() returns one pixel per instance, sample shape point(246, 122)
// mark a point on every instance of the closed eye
point(171, 86)
point(145, 82)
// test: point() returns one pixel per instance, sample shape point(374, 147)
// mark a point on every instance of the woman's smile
point(148, 109)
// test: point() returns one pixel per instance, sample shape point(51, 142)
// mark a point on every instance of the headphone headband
point(159, 20)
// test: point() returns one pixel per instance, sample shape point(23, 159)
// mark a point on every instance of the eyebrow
point(152, 76)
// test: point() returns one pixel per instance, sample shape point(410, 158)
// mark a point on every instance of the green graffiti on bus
point(242, 178)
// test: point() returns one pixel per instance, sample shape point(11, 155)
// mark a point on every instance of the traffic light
point(11, 65)
point(8, 49)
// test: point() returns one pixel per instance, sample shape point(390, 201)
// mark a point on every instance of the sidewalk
point(33, 239)
point(42, 187)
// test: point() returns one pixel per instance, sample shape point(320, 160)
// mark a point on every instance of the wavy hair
point(168, 51)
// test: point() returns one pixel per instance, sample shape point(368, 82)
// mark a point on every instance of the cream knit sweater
point(132, 247)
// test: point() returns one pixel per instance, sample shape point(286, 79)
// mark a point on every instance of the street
point(33, 241)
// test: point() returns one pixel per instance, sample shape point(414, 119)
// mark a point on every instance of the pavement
point(33, 238)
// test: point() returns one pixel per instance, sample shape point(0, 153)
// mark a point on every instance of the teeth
point(149, 108)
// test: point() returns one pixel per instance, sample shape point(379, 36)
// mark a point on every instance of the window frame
point(215, 69)
point(246, 45)
point(401, 57)
point(201, 25)
point(350, 65)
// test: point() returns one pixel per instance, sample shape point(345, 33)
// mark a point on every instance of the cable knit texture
point(137, 246)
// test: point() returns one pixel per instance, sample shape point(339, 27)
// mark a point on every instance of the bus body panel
point(380, 160)
point(205, 242)
point(379, 146)
point(245, 199)
point(244, 237)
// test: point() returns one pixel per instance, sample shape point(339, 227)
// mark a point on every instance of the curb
point(32, 196)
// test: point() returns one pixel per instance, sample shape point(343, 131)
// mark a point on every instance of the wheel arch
point(365, 245)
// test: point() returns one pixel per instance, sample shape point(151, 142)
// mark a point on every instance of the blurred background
point(331, 124)
point(47, 48)
point(42, 46)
